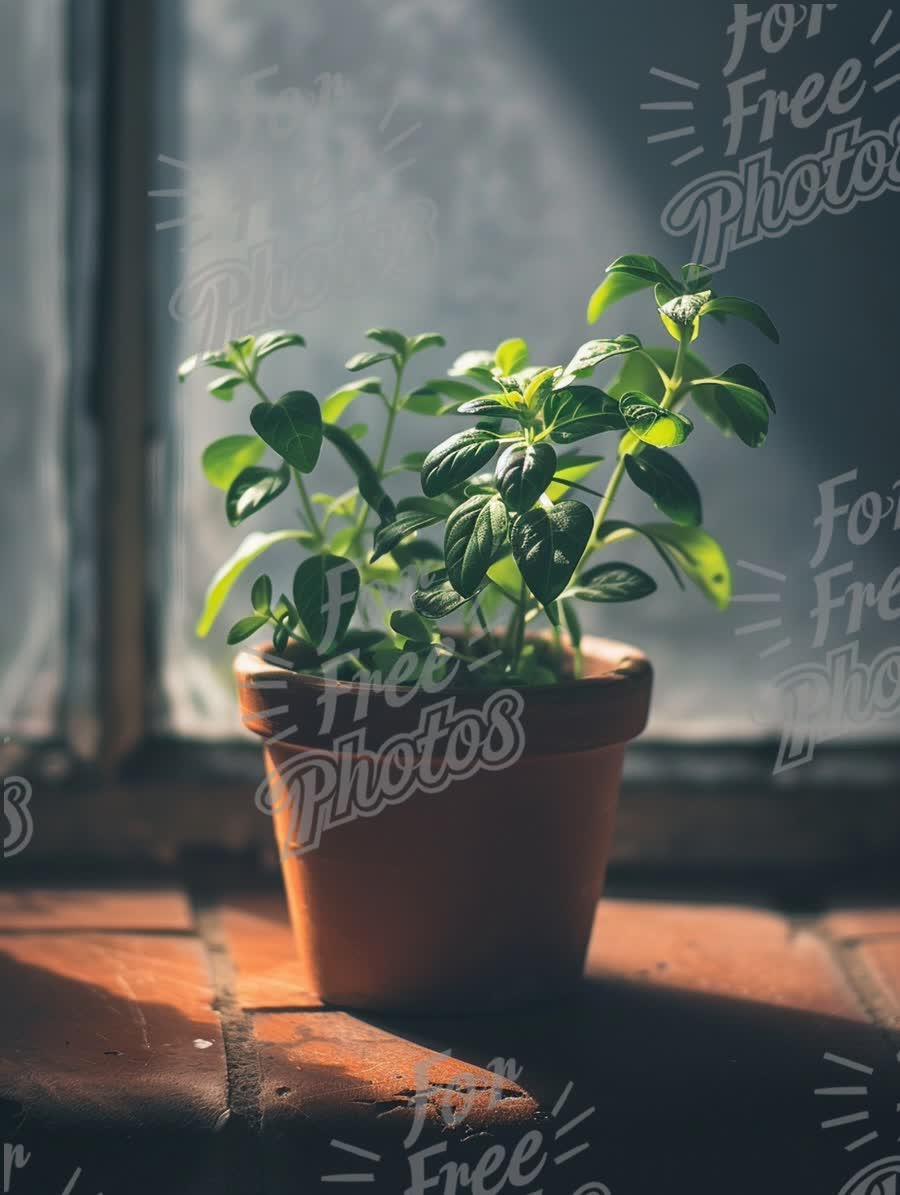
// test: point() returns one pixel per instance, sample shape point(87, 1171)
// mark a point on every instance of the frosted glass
point(472, 168)
point(32, 209)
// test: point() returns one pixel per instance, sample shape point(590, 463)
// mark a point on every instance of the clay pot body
point(464, 881)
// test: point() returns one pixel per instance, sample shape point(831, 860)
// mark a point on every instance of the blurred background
point(181, 173)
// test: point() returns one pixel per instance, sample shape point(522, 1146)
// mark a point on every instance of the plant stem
point(389, 426)
point(518, 628)
point(603, 508)
point(385, 447)
point(579, 663)
point(457, 655)
point(254, 385)
point(673, 385)
point(290, 634)
point(677, 378)
point(574, 485)
point(308, 508)
point(485, 626)
point(557, 640)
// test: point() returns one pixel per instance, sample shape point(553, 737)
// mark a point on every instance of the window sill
point(683, 809)
point(160, 1042)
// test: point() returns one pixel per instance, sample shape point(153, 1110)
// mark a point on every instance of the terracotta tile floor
point(151, 1042)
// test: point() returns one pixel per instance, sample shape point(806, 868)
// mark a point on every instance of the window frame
point(685, 806)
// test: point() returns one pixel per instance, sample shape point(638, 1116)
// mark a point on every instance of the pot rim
point(605, 708)
point(628, 665)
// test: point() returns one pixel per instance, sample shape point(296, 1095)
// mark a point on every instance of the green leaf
point(592, 354)
point(682, 313)
point(285, 607)
point(217, 358)
point(358, 431)
point(355, 641)
point(668, 483)
point(475, 532)
point(456, 459)
point(344, 505)
point(696, 276)
point(740, 378)
point(286, 624)
point(241, 350)
point(439, 507)
point(581, 411)
point(385, 572)
point(413, 461)
point(701, 558)
point(649, 268)
point(511, 356)
point(639, 372)
point(548, 544)
point(745, 375)
point(224, 459)
point(424, 402)
point(366, 361)
point(523, 473)
point(495, 406)
point(326, 589)
point(411, 626)
point(612, 290)
point(438, 598)
point(615, 530)
point(416, 551)
point(224, 388)
point(222, 583)
point(292, 426)
point(425, 340)
point(395, 341)
point(245, 627)
point(280, 639)
point(738, 402)
point(571, 467)
point(261, 595)
point(370, 487)
point(505, 573)
point(626, 276)
point(271, 342)
point(340, 542)
point(253, 489)
point(651, 424)
point(337, 402)
point(612, 582)
point(476, 363)
point(539, 387)
point(390, 535)
point(743, 309)
point(665, 295)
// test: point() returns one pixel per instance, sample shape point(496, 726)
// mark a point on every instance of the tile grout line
point(861, 982)
point(74, 931)
point(243, 1074)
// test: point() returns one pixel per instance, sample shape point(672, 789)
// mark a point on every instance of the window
point(436, 164)
point(33, 440)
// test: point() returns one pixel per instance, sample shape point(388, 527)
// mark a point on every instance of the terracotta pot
point(476, 896)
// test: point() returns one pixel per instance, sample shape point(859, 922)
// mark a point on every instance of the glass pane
point(32, 313)
point(472, 169)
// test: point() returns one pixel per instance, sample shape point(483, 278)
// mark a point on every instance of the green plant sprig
point(517, 545)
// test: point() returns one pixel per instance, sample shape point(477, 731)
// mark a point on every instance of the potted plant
point(444, 791)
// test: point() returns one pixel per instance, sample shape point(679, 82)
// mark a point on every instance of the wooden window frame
point(147, 800)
